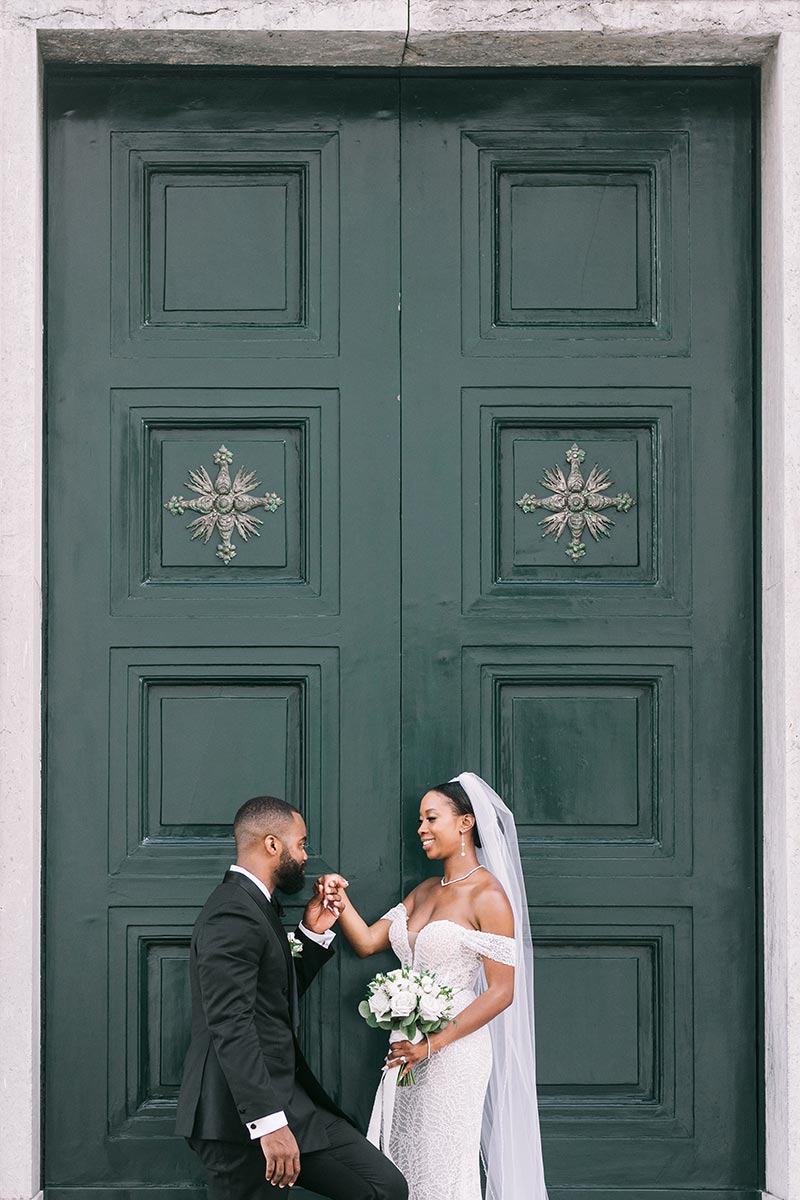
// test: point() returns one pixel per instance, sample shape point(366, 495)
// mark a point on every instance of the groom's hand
point(324, 907)
point(283, 1157)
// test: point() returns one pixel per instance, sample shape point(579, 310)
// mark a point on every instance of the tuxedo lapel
point(272, 916)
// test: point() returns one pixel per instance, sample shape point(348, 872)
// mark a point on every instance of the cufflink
point(253, 1125)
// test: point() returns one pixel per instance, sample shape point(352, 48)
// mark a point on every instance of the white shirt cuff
point(265, 1125)
point(323, 939)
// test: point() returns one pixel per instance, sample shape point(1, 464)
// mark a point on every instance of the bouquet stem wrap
point(380, 1123)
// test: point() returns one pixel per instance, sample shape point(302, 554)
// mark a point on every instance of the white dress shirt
point(277, 1120)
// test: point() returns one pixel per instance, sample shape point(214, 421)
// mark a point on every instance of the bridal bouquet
point(408, 1004)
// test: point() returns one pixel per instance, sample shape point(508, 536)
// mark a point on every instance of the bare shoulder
point(492, 908)
point(420, 892)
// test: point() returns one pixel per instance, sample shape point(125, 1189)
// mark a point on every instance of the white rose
point(379, 1004)
point(403, 1004)
point(432, 1007)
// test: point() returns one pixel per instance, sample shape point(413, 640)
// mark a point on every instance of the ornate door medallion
point(577, 503)
point(224, 504)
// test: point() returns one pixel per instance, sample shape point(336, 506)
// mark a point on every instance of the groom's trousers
point(350, 1168)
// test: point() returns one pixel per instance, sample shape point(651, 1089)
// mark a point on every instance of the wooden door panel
point(574, 237)
point(210, 314)
point(519, 437)
point(226, 243)
point(181, 717)
point(615, 986)
point(588, 740)
point(578, 326)
point(288, 437)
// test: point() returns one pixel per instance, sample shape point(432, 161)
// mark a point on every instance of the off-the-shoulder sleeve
point(398, 913)
point(493, 945)
point(398, 933)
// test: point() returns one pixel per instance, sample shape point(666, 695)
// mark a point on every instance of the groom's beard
point(291, 874)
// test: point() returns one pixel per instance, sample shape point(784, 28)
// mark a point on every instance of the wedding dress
point(480, 1091)
point(436, 1128)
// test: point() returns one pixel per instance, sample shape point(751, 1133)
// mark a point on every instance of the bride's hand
point(406, 1055)
point(330, 889)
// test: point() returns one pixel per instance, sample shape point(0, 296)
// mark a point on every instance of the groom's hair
point(261, 816)
point(457, 795)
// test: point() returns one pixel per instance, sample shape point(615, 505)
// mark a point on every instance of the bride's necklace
point(447, 882)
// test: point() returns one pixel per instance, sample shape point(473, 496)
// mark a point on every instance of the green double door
point(452, 377)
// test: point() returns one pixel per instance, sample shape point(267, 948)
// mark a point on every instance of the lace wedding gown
point(436, 1130)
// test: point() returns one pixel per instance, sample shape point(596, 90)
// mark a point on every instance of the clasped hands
point(325, 906)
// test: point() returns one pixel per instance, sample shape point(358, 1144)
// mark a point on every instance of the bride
point(475, 1095)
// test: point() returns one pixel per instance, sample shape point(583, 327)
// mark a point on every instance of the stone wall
point(387, 33)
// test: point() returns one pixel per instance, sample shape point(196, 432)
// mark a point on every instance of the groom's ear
point(272, 844)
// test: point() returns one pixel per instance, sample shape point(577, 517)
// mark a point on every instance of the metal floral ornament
point(224, 504)
point(576, 503)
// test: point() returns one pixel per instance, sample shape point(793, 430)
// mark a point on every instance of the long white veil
point(511, 1145)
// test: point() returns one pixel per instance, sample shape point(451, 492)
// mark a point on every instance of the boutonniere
point(295, 945)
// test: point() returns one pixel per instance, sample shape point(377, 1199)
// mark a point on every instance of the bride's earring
point(463, 851)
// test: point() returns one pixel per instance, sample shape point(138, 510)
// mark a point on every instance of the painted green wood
point(223, 271)
point(577, 270)
point(575, 258)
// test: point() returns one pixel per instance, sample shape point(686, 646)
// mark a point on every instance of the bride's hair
point(460, 801)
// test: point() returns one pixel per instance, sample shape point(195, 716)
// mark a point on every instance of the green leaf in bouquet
point(364, 1010)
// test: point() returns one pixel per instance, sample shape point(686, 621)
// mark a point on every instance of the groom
point(249, 1105)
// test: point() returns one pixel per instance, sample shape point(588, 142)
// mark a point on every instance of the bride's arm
point(494, 916)
point(365, 939)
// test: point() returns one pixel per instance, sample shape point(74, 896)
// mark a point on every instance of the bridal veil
point(510, 1140)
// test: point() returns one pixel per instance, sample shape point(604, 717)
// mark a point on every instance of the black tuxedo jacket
point(244, 1061)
